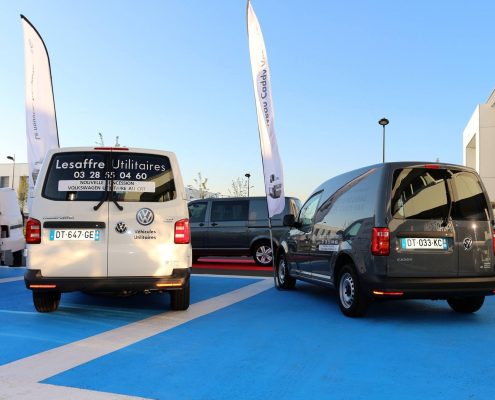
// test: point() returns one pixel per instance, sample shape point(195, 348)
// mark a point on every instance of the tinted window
point(197, 212)
point(258, 210)
point(420, 193)
point(308, 211)
point(229, 210)
point(84, 176)
point(469, 199)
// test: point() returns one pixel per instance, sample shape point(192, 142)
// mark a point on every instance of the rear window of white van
point(87, 176)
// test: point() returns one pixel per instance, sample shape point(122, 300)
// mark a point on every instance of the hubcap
point(264, 254)
point(346, 290)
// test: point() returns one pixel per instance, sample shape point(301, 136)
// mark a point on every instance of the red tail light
point(182, 233)
point(33, 231)
point(380, 242)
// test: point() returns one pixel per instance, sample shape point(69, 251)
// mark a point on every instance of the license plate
point(424, 243)
point(75, 234)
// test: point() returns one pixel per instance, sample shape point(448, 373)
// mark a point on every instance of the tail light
point(182, 233)
point(33, 231)
point(380, 242)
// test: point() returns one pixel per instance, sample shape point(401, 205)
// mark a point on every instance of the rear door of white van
point(74, 232)
point(148, 215)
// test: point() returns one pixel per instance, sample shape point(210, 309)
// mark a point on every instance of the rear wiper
point(112, 197)
point(107, 193)
point(101, 201)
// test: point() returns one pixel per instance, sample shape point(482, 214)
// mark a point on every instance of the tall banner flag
point(41, 119)
point(272, 164)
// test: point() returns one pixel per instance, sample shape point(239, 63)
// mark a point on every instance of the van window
point(197, 211)
point(308, 211)
point(85, 176)
point(258, 210)
point(229, 210)
point(420, 193)
point(469, 198)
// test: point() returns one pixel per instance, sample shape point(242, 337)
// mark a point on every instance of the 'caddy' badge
point(145, 216)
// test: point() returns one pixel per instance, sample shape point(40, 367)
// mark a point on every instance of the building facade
point(479, 143)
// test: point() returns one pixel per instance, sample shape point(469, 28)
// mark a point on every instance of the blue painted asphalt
point(288, 345)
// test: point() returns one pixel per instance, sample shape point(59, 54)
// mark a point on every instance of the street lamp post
point(12, 158)
point(383, 122)
point(248, 175)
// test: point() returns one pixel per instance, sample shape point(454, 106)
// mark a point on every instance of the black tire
point(282, 278)
point(466, 305)
point(179, 299)
point(46, 301)
point(18, 257)
point(352, 301)
point(262, 254)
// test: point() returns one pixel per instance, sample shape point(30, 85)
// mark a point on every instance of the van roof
point(333, 184)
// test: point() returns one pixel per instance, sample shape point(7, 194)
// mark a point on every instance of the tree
point(201, 184)
point(239, 188)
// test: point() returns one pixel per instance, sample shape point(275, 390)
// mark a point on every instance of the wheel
point(46, 301)
point(466, 305)
point(179, 299)
point(262, 254)
point(352, 301)
point(282, 278)
point(18, 258)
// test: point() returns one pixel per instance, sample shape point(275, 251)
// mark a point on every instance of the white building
point(479, 143)
point(18, 170)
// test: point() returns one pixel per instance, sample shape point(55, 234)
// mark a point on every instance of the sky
point(175, 75)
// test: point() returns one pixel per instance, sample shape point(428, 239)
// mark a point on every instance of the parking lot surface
point(240, 339)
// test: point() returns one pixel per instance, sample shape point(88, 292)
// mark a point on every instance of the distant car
point(396, 230)
point(11, 227)
point(236, 226)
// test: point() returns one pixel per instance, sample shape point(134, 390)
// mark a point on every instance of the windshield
point(423, 193)
point(85, 176)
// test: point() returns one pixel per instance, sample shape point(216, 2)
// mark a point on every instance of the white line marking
point(19, 379)
point(13, 279)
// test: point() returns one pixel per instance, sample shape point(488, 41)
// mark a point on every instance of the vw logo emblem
point(145, 216)
point(467, 243)
point(121, 227)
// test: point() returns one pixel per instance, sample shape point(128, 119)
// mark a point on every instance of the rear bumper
point(34, 280)
point(430, 288)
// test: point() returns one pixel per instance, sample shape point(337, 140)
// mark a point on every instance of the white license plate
point(75, 234)
point(424, 243)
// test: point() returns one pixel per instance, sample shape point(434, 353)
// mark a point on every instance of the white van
point(108, 219)
point(11, 227)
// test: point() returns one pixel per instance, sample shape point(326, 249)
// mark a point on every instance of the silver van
point(108, 219)
point(236, 226)
point(396, 230)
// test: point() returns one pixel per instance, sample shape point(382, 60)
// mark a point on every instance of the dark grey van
point(394, 230)
point(236, 226)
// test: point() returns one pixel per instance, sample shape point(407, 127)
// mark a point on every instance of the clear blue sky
point(175, 75)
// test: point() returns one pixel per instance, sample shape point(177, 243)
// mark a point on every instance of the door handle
point(201, 224)
point(214, 224)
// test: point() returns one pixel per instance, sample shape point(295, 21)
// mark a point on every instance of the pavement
point(240, 339)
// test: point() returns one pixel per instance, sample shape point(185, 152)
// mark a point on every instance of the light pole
point(383, 122)
point(13, 168)
point(248, 175)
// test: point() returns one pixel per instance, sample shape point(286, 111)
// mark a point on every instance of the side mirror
point(289, 220)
